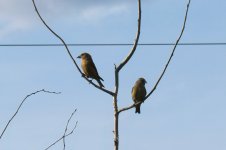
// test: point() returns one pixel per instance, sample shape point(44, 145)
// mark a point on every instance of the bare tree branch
point(62, 137)
point(21, 106)
point(69, 53)
point(167, 64)
point(171, 56)
point(135, 42)
point(129, 107)
point(65, 132)
point(117, 70)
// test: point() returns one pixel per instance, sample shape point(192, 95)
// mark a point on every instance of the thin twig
point(63, 137)
point(21, 106)
point(65, 133)
point(167, 64)
point(69, 53)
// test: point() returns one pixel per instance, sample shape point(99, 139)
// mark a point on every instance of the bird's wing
point(93, 66)
point(93, 70)
point(144, 92)
point(134, 92)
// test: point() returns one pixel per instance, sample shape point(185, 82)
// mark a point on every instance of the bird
point(139, 93)
point(89, 68)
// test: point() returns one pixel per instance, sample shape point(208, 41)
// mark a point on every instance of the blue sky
point(186, 111)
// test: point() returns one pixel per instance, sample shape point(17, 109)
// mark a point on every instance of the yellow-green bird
point(89, 68)
point(139, 93)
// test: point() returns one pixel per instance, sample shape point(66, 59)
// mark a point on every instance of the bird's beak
point(79, 56)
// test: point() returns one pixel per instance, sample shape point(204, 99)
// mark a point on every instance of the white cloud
point(12, 27)
point(100, 12)
point(14, 16)
point(20, 15)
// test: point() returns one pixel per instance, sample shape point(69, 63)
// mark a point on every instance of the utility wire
point(110, 44)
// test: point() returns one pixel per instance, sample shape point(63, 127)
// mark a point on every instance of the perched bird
point(139, 93)
point(89, 68)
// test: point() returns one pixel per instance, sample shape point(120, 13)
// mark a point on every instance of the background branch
point(65, 132)
point(21, 106)
point(68, 51)
point(167, 64)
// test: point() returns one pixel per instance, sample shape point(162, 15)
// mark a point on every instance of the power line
point(110, 44)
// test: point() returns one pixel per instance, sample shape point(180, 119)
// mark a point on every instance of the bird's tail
point(100, 83)
point(101, 78)
point(138, 109)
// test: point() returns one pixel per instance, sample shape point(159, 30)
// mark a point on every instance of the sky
point(187, 110)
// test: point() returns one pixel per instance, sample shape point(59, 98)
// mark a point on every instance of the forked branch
point(65, 132)
point(10, 120)
point(69, 52)
point(117, 70)
point(167, 64)
point(66, 128)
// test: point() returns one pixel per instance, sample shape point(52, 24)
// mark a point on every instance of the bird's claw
point(83, 75)
point(90, 81)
